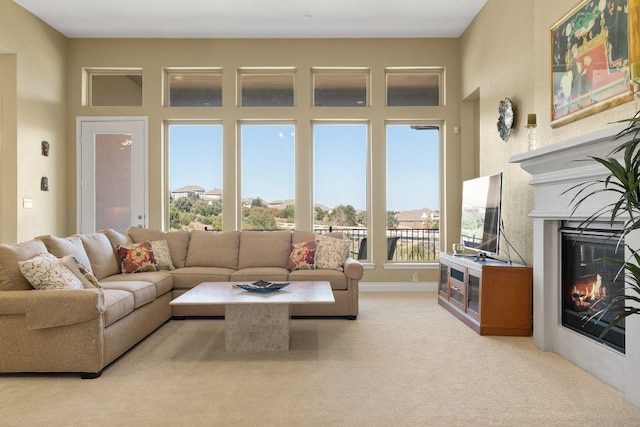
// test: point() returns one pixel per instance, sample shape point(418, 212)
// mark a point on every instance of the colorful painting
point(591, 59)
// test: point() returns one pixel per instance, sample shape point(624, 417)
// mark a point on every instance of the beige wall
point(505, 54)
point(33, 108)
point(154, 55)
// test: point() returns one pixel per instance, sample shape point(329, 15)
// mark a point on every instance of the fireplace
point(589, 283)
point(555, 170)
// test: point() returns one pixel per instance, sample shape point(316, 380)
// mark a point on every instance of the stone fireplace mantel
point(555, 170)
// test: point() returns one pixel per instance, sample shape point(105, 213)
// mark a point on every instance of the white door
point(112, 171)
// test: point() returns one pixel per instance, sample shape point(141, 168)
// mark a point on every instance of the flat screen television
point(480, 225)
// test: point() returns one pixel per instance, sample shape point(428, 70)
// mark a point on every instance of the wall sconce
point(531, 130)
point(44, 183)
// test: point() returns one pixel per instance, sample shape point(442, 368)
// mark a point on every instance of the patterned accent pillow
point(331, 252)
point(136, 257)
point(45, 272)
point(302, 256)
point(87, 278)
point(162, 254)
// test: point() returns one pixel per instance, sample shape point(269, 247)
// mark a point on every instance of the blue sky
point(340, 153)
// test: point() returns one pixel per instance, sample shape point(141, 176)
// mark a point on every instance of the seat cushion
point(270, 274)
point(188, 277)
point(162, 280)
point(337, 278)
point(143, 292)
point(118, 303)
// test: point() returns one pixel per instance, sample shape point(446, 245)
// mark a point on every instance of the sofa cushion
point(63, 246)
point(302, 256)
point(336, 278)
point(264, 249)
point(143, 292)
point(298, 236)
point(331, 253)
point(136, 258)
point(207, 249)
point(178, 241)
point(163, 280)
point(118, 303)
point(11, 278)
point(88, 280)
point(188, 277)
point(100, 252)
point(116, 238)
point(45, 272)
point(251, 274)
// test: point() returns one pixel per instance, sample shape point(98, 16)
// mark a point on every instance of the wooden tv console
point(491, 297)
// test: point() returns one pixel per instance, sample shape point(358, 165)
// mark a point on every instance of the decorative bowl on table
point(262, 286)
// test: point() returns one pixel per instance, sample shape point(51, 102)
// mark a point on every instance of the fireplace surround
point(554, 170)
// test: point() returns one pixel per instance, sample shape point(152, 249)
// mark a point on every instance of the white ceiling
point(256, 18)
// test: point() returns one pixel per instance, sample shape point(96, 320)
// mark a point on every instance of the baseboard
point(398, 287)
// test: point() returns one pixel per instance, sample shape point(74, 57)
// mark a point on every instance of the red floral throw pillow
point(302, 256)
point(137, 257)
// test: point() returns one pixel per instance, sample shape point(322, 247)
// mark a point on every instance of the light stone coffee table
point(256, 321)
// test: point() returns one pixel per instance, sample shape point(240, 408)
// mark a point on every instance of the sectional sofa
point(84, 328)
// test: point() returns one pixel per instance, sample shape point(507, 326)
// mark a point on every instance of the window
point(193, 88)
point(411, 88)
point(339, 88)
point(413, 191)
point(340, 179)
point(267, 169)
point(113, 87)
point(195, 176)
point(266, 88)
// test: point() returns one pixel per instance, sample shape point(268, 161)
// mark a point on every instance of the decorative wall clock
point(506, 119)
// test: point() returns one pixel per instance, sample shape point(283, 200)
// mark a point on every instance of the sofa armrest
point(53, 308)
point(353, 269)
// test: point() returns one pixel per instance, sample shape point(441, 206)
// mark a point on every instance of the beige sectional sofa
point(83, 330)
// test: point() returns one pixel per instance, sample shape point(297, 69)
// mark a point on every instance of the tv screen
point(480, 225)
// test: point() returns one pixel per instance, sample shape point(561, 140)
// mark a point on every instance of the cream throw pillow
point(331, 253)
point(87, 279)
point(46, 272)
point(162, 254)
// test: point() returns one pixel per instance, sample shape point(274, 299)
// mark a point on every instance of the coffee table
point(256, 321)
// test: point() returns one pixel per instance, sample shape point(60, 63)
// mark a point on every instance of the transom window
point(193, 88)
point(108, 87)
point(414, 87)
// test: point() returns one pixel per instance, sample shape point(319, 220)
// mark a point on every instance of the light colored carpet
point(404, 362)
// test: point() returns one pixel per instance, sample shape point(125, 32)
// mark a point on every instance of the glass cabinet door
point(473, 294)
point(444, 279)
point(457, 286)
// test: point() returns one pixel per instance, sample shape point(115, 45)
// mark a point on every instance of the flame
point(586, 294)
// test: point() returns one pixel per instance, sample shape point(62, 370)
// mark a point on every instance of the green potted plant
point(622, 184)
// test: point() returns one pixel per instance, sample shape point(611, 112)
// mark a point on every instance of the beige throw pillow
point(331, 253)
point(162, 254)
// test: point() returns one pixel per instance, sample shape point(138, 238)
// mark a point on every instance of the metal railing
point(414, 244)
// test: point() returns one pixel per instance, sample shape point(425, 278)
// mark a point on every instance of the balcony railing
point(413, 245)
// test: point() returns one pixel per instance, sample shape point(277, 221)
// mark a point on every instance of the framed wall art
point(593, 48)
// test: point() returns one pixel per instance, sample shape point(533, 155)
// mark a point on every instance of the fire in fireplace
point(589, 283)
